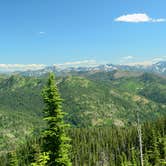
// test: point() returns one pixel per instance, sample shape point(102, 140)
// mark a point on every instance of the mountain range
point(158, 68)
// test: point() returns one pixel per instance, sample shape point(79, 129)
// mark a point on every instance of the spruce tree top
point(56, 143)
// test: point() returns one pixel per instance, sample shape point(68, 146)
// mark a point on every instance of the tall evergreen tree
point(56, 143)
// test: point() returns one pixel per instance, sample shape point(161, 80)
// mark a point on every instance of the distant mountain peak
point(92, 66)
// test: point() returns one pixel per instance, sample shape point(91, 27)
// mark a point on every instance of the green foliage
point(13, 160)
point(41, 160)
point(56, 143)
point(119, 146)
point(91, 99)
point(109, 146)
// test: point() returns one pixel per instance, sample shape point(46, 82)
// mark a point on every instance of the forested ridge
point(109, 146)
point(101, 109)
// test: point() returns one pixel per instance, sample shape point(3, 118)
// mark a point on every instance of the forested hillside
point(108, 146)
point(91, 99)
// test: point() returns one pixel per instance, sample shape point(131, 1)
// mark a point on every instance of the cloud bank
point(25, 67)
point(20, 67)
point(78, 63)
point(128, 57)
point(41, 32)
point(138, 18)
point(148, 62)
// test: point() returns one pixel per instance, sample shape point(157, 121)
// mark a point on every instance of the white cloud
point(128, 57)
point(137, 18)
point(18, 67)
point(41, 33)
point(144, 63)
point(81, 62)
point(159, 20)
point(148, 62)
point(157, 59)
point(78, 63)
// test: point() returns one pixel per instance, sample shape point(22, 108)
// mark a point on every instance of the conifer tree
point(56, 143)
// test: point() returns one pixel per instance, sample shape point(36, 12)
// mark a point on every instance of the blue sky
point(58, 31)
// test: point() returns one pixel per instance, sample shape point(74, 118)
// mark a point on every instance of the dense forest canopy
point(102, 106)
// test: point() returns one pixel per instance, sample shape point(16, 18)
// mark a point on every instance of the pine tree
point(56, 143)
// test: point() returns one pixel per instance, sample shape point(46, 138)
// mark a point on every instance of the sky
point(61, 31)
